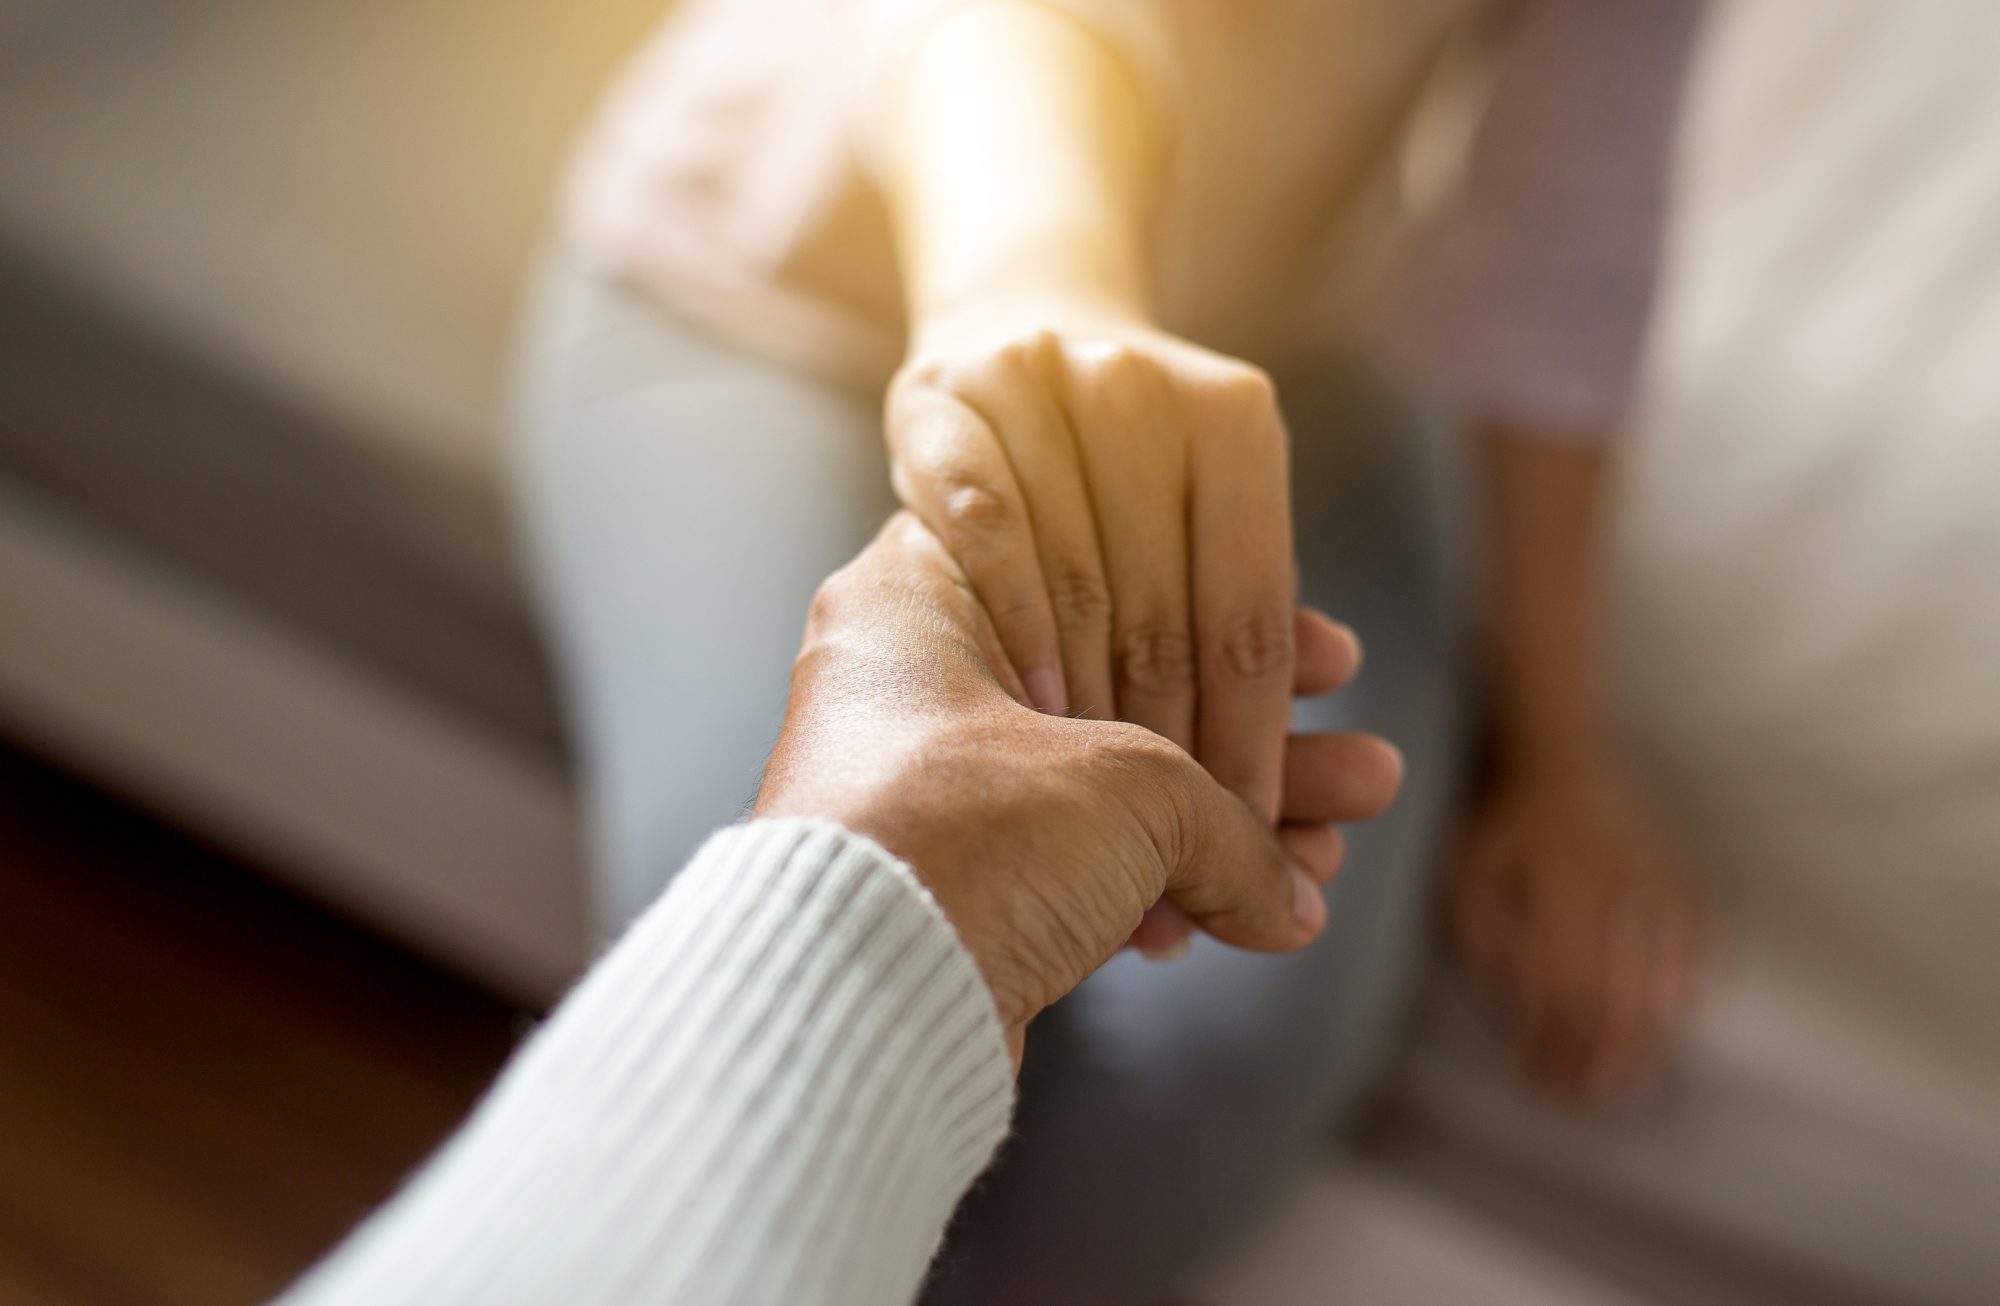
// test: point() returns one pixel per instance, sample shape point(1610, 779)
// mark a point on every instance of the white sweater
point(773, 1089)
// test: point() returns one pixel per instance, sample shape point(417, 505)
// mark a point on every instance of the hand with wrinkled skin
point(1044, 838)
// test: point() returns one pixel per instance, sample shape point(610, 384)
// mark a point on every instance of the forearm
point(1547, 499)
point(1568, 893)
point(1023, 156)
point(775, 1088)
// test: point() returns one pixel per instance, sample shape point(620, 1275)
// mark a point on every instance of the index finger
point(951, 469)
point(1241, 541)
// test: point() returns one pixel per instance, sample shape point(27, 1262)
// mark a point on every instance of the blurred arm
point(1023, 156)
point(1547, 496)
point(1535, 316)
point(1570, 895)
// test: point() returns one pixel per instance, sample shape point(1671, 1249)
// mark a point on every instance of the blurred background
point(288, 844)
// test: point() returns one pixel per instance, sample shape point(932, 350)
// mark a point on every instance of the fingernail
point(1308, 905)
point(1168, 951)
point(1047, 691)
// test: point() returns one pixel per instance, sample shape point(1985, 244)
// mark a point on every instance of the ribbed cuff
point(774, 1088)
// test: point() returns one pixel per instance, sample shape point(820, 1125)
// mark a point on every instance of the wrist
point(1550, 704)
point(881, 807)
point(1024, 169)
point(1014, 299)
point(990, 963)
point(1550, 725)
point(1533, 750)
point(942, 863)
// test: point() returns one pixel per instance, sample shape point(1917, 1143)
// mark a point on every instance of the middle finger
point(1136, 469)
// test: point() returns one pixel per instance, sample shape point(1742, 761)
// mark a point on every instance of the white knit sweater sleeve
point(773, 1089)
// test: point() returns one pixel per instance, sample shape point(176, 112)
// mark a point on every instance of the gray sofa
point(256, 273)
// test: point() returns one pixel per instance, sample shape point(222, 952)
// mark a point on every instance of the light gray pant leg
point(1161, 1104)
point(680, 502)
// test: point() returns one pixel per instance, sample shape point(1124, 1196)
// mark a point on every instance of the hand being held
point(1042, 837)
point(1119, 499)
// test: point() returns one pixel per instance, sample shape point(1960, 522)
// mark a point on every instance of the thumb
point(1231, 876)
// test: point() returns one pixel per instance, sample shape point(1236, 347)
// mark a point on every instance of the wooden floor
point(203, 1080)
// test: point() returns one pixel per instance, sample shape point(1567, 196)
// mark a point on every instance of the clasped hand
point(1044, 838)
point(1120, 500)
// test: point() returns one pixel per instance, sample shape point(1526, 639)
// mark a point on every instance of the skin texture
point(1117, 496)
point(1568, 894)
point(1045, 838)
point(1118, 499)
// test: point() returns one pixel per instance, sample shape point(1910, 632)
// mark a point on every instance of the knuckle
point(1256, 644)
point(1243, 402)
point(1156, 769)
point(972, 509)
point(915, 376)
point(1156, 660)
point(1249, 386)
point(831, 602)
point(1140, 746)
point(825, 609)
point(1027, 353)
point(1080, 598)
point(1117, 367)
